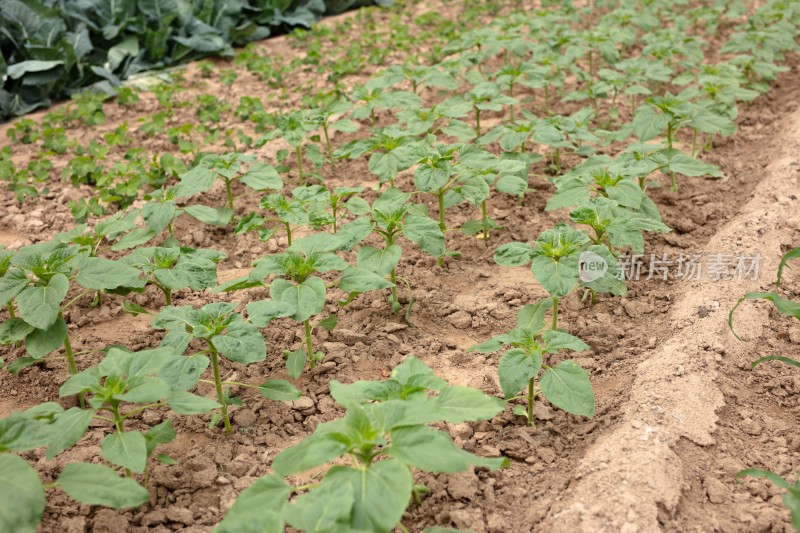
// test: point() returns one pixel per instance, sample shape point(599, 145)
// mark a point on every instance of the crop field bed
point(678, 410)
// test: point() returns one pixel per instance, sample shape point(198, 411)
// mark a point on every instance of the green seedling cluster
point(471, 109)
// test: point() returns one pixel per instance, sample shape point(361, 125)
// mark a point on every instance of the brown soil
point(678, 408)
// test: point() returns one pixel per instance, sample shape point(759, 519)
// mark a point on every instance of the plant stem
point(328, 142)
point(218, 386)
point(309, 347)
point(118, 424)
point(483, 220)
point(300, 165)
point(288, 233)
point(555, 313)
point(530, 401)
point(10, 306)
point(230, 193)
point(73, 369)
point(478, 121)
point(393, 279)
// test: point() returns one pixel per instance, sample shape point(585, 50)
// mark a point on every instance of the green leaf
point(425, 233)
point(262, 312)
point(648, 123)
point(14, 329)
point(381, 493)
point(515, 370)
point(329, 323)
point(242, 343)
point(557, 277)
point(356, 279)
point(186, 403)
point(786, 360)
point(68, 428)
point(429, 449)
point(560, 340)
point(261, 177)
point(531, 316)
point(457, 404)
point(326, 508)
point(158, 215)
point(627, 193)
point(296, 362)
point(308, 297)
point(380, 262)
point(182, 373)
point(279, 390)
point(316, 243)
point(567, 386)
point(100, 274)
point(39, 306)
point(219, 216)
point(511, 185)
point(128, 450)
point(257, 508)
point(22, 498)
point(513, 254)
point(99, 485)
point(41, 342)
point(313, 451)
point(134, 238)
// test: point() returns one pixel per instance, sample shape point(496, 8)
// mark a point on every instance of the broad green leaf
point(82, 381)
point(68, 428)
point(257, 508)
point(242, 343)
point(511, 185)
point(296, 362)
point(14, 329)
point(308, 297)
point(425, 233)
point(557, 277)
point(279, 390)
point(627, 193)
point(128, 450)
point(181, 373)
point(313, 451)
point(262, 312)
point(457, 404)
point(39, 305)
point(356, 279)
point(560, 340)
point(22, 498)
point(380, 262)
point(41, 342)
point(513, 254)
point(199, 179)
point(381, 493)
point(145, 389)
point(12, 283)
point(262, 176)
point(316, 243)
point(429, 449)
point(99, 485)
point(134, 238)
point(23, 431)
point(515, 370)
point(648, 123)
point(186, 403)
point(531, 316)
point(567, 386)
point(158, 215)
point(219, 216)
point(324, 509)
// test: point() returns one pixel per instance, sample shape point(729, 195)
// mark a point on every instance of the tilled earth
point(678, 408)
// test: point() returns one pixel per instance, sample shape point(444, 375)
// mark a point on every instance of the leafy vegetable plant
point(565, 385)
point(384, 434)
point(303, 294)
point(224, 333)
